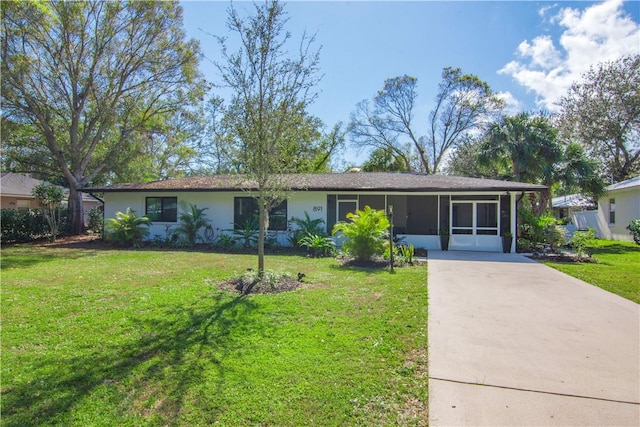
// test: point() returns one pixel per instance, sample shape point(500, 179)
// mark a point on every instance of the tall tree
point(89, 77)
point(384, 160)
point(464, 103)
point(529, 148)
point(271, 91)
point(465, 161)
point(603, 113)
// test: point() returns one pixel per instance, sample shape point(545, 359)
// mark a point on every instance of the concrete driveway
point(513, 342)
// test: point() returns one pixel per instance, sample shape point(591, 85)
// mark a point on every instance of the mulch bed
point(563, 257)
point(248, 285)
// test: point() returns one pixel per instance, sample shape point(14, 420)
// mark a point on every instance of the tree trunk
point(76, 212)
point(263, 221)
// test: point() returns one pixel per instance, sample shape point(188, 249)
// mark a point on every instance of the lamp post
point(390, 215)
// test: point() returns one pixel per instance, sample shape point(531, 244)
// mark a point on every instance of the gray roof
point(19, 185)
point(572, 201)
point(359, 181)
point(625, 185)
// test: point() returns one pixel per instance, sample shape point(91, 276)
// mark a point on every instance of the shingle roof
point(19, 185)
point(360, 181)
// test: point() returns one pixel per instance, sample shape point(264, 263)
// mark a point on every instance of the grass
point(617, 270)
point(134, 338)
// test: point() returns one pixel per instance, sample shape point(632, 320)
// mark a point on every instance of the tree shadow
point(176, 348)
point(614, 249)
point(38, 255)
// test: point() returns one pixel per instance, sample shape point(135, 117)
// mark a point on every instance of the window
point(246, 208)
point(24, 204)
point(612, 211)
point(162, 209)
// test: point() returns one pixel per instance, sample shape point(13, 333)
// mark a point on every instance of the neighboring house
point(566, 206)
point(617, 208)
point(16, 193)
point(475, 211)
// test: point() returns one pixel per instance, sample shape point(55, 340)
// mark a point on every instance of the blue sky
point(528, 51)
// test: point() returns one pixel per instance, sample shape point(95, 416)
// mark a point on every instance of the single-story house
point(565, 206)
point(474, 211)
point(16, 193)
point(618, 208)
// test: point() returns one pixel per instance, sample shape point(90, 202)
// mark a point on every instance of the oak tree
point(88, 78)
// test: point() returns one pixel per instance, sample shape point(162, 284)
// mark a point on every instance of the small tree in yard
point(50, 199)
point(634, 228)
point(366, 233)
point(271, 90)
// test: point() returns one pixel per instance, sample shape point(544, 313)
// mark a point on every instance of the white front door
point(475, 225)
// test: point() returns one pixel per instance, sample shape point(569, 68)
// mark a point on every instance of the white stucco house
point(617, 208)
point(475, 211)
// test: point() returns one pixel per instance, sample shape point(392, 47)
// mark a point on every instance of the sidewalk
point(513, 342)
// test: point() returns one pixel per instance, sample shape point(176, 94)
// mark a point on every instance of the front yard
point(617, 269)
point(117, 337)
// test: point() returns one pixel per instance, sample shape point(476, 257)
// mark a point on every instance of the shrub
point(225, 241)
point(538, 230)
point(634, 228)
point(402, 254)
point(96, 220)
point(127, 228)
point(247, 233)
point(317, 245)
point(365, 233)
point(581, 240)
point(306, 227)
point(192, 220)
point(19, 226)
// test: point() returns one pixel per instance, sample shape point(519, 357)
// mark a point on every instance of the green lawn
point(133, 338)
point(617, 270)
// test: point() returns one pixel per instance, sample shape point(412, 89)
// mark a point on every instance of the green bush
point(402, 254)
point(539, 230)
point(247, 233)
point(306, 227)
point(96, 220)
point(317, 245)
point(22, 226)
point(365, 233)
point(127, 228)
point(634, 228)
point(192, 220)
point(581, 240)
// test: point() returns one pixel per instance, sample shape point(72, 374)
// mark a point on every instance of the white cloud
point(596, 34)
point(512, 105)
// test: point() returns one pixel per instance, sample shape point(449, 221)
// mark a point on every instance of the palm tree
point(191, 221)
point(529, 146)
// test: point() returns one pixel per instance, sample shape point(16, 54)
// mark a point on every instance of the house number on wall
point(317, 208)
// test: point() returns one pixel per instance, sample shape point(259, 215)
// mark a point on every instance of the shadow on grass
point(24, 258)
point(152, 375)
point(615, 248)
